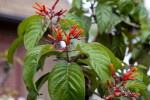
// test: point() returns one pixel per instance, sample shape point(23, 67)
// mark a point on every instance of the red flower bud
point(111, 67)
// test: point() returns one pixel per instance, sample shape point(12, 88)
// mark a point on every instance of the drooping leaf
point(99, 60)
point(34, 32)
point(103, 16)
point(66, 82)
point(30, 67)
point(24, 24)
point(125, 6)
point(118, 46)
point(16, 43)
point(39, 83)
point(31, 62)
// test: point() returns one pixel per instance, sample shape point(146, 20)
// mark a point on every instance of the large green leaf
point(16, 43)
point(103, 16)
point(31, 63)
point(66, 82)
point(34, 32)
point(39, 83)
point(24, 24)
point(99, 60)
point(113, 59)
point(125, 6)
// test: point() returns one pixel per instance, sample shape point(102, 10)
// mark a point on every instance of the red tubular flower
point(68, 39)
point(137, 94)
point(79, 33)
point(111, 67)
point(39, 5)
point(132, 79)
point(39, 13)
point(129, 73)
point(63, 20)
point(51, 37)
point(109, 83)
point(117, 94)
point(110, 96)
point(133, 75)
point(63, 12)
point(43, 5)
point(52, 46)
point(37, 8)
point(54, 28)
point(65, 33)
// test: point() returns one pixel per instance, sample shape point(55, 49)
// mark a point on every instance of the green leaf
point(139, 12)
point(39, 83)
point(103, 16)
point(77, 4)
point(99, 60)
point(144, 35)
point(116, 63)
point(118, 46)
point(24, 24)
point(66, 82)
point(16, 43)
point(125, 6)
point(114, 21)
point(73, 47)
point(31, 62)
point(34, 32)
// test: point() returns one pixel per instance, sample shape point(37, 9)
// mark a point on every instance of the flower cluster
point(73, 34)
point(118, 88)
point(46, 11)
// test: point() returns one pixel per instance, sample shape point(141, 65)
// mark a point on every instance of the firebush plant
point(82, 68)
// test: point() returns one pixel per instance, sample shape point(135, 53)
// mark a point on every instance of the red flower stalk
point(53, 7)
point(109, 83)
point(111, 67)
